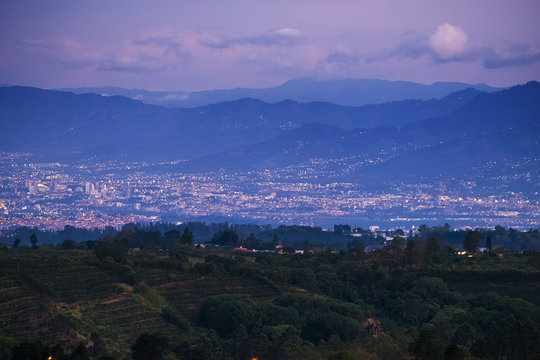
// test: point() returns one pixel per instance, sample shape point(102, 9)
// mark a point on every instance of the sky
point(218, 44)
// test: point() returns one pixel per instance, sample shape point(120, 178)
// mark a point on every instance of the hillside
point(348, 92)
point(500, 127)
point(61, 125)
point(206, 302)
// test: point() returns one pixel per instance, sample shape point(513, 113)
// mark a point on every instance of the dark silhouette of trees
point(226, 238)
point(16, 243)
point(171, 238)
point(30, 350)
point(34, 241)
point(275, 240)
point(187, 237)
point(69, 244)
point(115, 250)
point(80, 353)
point(488, 243)
point(472, 239)
point(149, 347)
point(428, 346)
point(252, 242)
point(227, 313)
point(456, 352)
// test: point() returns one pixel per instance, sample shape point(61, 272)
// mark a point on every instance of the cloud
point(128, 64)
point(449, 42)
point(413, 46)
point(153, 51)
point(67, 52)
point(283, 36)
point(513, 56)
point(343, 55)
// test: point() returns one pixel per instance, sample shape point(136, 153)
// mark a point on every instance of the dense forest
point(416, 297)
point(162, 235)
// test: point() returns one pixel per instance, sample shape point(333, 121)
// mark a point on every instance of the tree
point(187, 237)
point(275, 240)
point(356, 247)
point(456, 352)
point(428, 346)
point(472, 239)
point(149, 346)
point(115, 249)
point(16, 243)
point(252, 242)
point(172, 237)
point(80, 353)
point(6, 347)
point(33, 240)
point(227, 313)
point(488, 243)
point(69, 244)
point(30, 350)
point(226, 238)
point(398, 243)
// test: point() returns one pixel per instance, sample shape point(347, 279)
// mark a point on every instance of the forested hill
point(407, 300)
point(64, 125)
point(349, 92)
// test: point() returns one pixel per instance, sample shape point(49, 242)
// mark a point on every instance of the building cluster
point(102, 194)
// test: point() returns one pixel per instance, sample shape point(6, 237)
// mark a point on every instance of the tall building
point(88, 188)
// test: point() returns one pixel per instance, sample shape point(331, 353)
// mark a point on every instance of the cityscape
point(93, 194)
point(234, 180)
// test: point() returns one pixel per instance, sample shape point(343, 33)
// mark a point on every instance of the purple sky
point(200, 44)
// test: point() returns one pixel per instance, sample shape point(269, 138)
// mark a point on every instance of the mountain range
point(469, 131)
point(348, 92)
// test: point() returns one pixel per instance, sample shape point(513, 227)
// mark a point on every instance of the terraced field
point(69, 296)
point(190, 291)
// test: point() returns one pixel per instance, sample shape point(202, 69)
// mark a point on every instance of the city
point(99, 194)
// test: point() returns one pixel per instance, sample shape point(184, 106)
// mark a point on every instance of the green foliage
point(115, 250)
point(322, 326)
point(341, 355)
point(149, 347)
point(175, 317)
point(80, 353)
point(489, 245)
point(226, 238)
point(216, 304)
point(470, 244)
point(272, 315)
point(6, 347)
point(34, 241)
point(151, 296)
point(227, 313)
point(399, 243)
point(187, 238)
point(30, 350)
point(456, 352)
point(171, 237)
point(69, 244)
point(428, 346)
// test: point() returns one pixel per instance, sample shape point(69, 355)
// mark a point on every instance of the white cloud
point(449, 42)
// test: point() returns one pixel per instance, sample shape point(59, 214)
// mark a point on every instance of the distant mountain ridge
point(467, 132)
point(347, 92)
point(58, 123)
point(492, 128)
